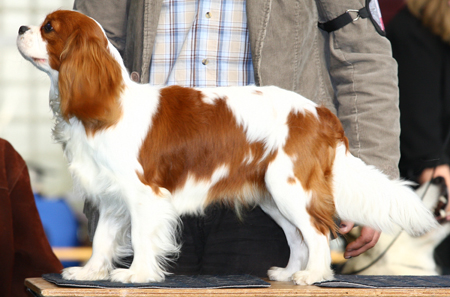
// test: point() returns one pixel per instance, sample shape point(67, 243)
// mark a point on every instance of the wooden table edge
point(44, 288)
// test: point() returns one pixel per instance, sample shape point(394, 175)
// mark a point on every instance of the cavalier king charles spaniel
point(145, 155)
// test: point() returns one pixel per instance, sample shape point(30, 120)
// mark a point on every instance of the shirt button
point(208, 15)
point(205, 61)
point(135, 76)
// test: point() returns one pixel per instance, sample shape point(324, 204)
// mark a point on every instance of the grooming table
point(41, 287)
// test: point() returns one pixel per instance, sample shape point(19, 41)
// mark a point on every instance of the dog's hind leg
point(292, 201)
point(154, 226)
point(104, 247)
point(299, 251)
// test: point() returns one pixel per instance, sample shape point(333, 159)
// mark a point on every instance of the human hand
point(367, 239)
point(441, 170)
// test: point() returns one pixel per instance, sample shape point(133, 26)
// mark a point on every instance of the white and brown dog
point(146, 155)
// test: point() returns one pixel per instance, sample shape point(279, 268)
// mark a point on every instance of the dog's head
point(74, 50)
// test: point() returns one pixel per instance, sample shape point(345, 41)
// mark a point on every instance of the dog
point(407, 255)
point(145, 155)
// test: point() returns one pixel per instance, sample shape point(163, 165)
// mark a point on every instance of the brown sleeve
point(25, 251)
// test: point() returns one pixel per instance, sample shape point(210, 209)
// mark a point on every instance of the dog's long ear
point(90, 81)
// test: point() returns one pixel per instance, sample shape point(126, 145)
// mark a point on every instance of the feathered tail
point(367, 197)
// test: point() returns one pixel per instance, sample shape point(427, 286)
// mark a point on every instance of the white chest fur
point(101, 162)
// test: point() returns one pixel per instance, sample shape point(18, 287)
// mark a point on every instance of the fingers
point(345, 227)
point(367, 239)
point(364, 242)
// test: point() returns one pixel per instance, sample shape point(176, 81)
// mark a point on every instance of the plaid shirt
point(202, 43)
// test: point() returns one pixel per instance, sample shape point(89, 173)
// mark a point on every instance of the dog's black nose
point(23, 29)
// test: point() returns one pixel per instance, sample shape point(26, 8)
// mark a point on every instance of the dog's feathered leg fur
point(292, 200)
point(154, 235)
point(106, 247)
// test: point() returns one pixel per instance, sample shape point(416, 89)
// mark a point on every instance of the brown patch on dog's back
point(189, 137)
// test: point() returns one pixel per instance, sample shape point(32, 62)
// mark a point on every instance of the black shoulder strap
point(344, 19)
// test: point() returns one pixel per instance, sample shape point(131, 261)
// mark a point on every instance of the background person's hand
point(367, 239)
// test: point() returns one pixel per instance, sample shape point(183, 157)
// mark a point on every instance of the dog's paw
point(130, 276)
point(279, 274)
point(308, 277)
point(85, 273)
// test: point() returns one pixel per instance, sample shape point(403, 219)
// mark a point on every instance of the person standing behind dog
point(264, 42)
point(420, 37)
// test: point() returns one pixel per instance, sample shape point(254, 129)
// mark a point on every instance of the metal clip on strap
point(344, 19)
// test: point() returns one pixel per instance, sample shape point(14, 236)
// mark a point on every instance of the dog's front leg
point(154, 225)
point(104, 247)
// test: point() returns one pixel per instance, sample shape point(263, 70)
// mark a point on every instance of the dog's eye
point(48, 27)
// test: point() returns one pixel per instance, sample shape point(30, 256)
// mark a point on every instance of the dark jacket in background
point(424, 81)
